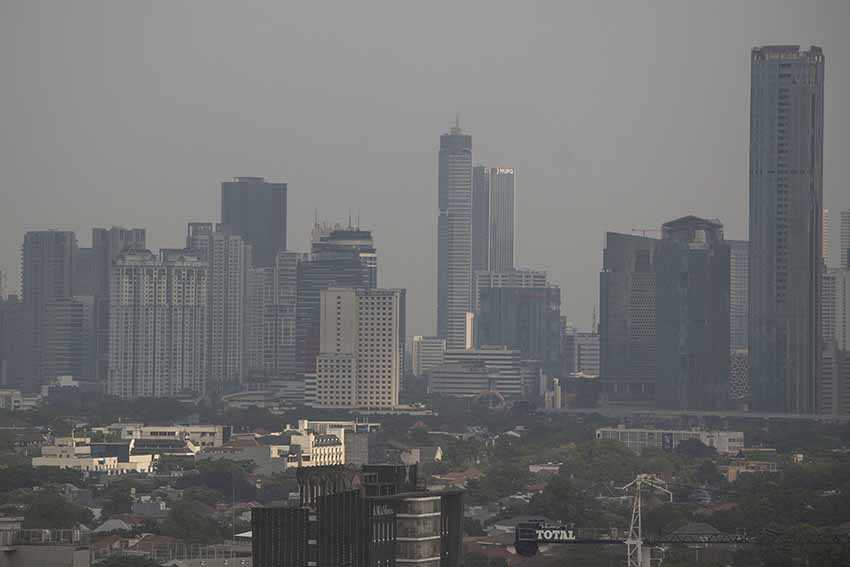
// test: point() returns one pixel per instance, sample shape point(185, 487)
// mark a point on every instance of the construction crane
point(530, 535)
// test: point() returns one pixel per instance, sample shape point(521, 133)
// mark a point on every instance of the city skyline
point(614, 137)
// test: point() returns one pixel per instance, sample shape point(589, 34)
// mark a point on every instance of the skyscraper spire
point(456, 128)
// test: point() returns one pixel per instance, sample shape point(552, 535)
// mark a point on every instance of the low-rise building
point(78, 453)
point(726, 442)
point(201, 435)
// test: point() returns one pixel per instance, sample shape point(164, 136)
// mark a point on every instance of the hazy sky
point(615, 114)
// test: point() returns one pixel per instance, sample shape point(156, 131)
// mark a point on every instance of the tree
point(695, 449)
point(472, 527)
point(49, 510)
point(188, 521)
point(128, 561)
point(561, 501)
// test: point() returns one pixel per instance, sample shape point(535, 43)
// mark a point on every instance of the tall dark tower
point(256, 210)
point(786, 217)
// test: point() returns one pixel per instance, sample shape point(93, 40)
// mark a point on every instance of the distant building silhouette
point(786, 226)
point(502, 220)
point(255, 209)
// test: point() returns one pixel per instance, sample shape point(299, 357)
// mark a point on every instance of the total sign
point(549, 534)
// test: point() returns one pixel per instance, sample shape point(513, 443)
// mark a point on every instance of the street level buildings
point(255, 209)
point(726, 442)
point(158, 325)
point(454, 230)
point(786, 226)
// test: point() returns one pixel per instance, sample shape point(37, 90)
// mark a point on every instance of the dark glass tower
point(256, 210)
point(786, 216)
point(692, 315)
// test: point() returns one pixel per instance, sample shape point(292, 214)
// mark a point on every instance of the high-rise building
point(107, 245)
point(480, 218)
point(47, 273)
point(255, 209)
point(627, 334)
point(158, 325)
point(827, 248)
point(338, 267)
point(828, 306)
point(330, 239)
point(271, 320)
point(502, 223)
point(68, 338)
point(3, 284)
point(454, 229)
point(739, 275)
point(228, 258)
point(464, 373)
point(786, 224)
point(428, 353)
point(692, 315)
point(845, 240)
point(527, 319)
point(523, 278)
point(14, 342)
point(359, 363)
point(587, 353)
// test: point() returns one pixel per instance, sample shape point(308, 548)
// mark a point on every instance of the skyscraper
point(627, 333)
point(827, 227)
point(47, 273)
point(427, 353)
point(845, 240)
point(359, 363)
point(454, 229)
point(255, 209)
point(158, 325)
point(502, 200)
point(692, 315)
point(480, 218)
point(738, 290)
point(68, 340)
point(786, 208)
point(107, 245)
point(271, 320)
point(228, 258)
point(329, 239)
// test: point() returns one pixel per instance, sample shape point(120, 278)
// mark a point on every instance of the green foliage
point(229, 478)
point(189, 521)
point(601, 461)
point(476, 559)
point(26, 476)
point(503, 479)
point(695, 449)
point(561, 501)
point(472, 527)
point(49, 510)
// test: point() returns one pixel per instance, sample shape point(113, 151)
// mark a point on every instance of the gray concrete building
point(68, 338)
point(454, 231)
point(502, 219)
point(739, 276)
point(255, 209)
point(480, 218)
point(786, 226)
point(427, 354)
point(692, 315)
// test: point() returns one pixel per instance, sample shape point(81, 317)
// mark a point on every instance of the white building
point(726, 442)
point(359, 361)
point(471, 372)
point(427, 353)
point(201, 435)
point(228, 258)
point(76, 453)
point(157, 325)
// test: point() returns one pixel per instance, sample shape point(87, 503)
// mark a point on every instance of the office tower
point(341, 267)
point(786, 208)
point(359, 362)
point(523, 278)
point(587, 353)
point(828, 306)
point(502, 222)
point(454, 231)
point(3, 283)
point(428, 353)
point(273, 295)
point(158, 325)
point(568, 347)
point(738, 292)
point(845, 239)
point(827, 227)
point(228, 258)
point(68, 338)
point(107, 245)
point(255, 209)
point(14, 342)
point(480, 218)
point(327, 240)
point(692, 315)
point(47, 267)
point(527, 319)
point(627, 351)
